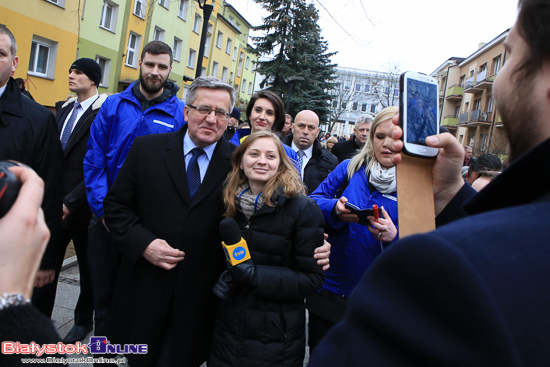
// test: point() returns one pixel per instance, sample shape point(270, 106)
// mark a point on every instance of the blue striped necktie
point(301, 155)
point(194, 172)
point(69, 126)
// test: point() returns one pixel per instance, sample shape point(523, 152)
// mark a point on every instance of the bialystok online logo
point(98, 345)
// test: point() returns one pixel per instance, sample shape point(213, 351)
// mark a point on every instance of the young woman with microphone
point(263, 322)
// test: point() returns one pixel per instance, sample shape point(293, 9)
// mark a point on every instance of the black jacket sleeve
point(48, 164)
point(120, 205)
point(25, 324)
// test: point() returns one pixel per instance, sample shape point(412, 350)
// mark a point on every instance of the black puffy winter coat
point(266, 326)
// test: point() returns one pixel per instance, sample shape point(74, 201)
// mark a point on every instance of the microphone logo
point(239, 253)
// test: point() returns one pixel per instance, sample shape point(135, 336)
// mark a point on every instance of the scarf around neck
point(383, 179)
point(248, 202)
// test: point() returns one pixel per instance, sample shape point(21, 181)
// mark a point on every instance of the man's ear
point(14, 65)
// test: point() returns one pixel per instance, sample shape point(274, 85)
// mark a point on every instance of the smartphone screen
point(419, 113)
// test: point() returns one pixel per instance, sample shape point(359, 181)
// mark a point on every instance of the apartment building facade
point(53, 33)
point(467, 105)
point(359, 92)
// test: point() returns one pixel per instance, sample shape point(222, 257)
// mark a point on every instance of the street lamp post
point(207, 11)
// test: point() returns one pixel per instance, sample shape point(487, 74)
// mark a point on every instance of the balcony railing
point(468, 83)
point(455, 92)
point(463, 118)
point(481, 76)
point(450, 120)
point(475, 117)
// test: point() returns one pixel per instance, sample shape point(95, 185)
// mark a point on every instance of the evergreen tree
point(293, 37)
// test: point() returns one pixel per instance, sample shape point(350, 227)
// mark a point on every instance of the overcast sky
point(416, 35)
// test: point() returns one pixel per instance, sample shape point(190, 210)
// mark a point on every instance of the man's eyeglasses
point(205, 111)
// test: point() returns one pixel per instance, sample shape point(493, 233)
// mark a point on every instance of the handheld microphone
point(235, 248)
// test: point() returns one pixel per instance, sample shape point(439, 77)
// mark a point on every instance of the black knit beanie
point(88, 67)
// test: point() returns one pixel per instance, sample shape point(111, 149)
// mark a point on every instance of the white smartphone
point(418, 112)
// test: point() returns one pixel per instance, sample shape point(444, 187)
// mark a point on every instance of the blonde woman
point(367, 179)
point(263, 323)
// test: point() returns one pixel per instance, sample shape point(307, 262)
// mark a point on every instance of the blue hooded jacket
point(354, 248)
point(119, 121)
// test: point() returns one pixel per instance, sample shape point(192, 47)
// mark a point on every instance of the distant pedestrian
point(348, 148)
point(21, 83)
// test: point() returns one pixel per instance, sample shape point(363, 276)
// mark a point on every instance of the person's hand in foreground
point(23, 236)
point(447, 179)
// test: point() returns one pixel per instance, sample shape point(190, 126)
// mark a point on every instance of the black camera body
point(9, 186)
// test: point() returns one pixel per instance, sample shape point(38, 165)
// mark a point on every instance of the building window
point(462, 79)
point(232, 19)
point(238, 26)
point(134, 42)
point(234, 53)
point(387, 90)
point(176, 50)
point(215, 67)
point(240, 68)
point(109, 16)
point(139, 8)
point(496, 65)
point(243, 89)
point(203, 71)
point(105, 65)
point(372, 108)
point(43, 57)
point(396, 92)
point(164, 3)
point(344, 105)
point(358, 87)
point(224, 74)
point(231, 78)
point(228, 46)
point(247, 64)
point(364, 107)
point(367, 88)
point(208, 40)
point(191, 58)
point(249, 87)
point(197, 23)
point(335, 104)
point(219, 40)
point(355, 106)
point(60, 3)
point(182, 9)
point(158, 34)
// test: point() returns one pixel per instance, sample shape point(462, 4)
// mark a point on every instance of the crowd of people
point(140, 181)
